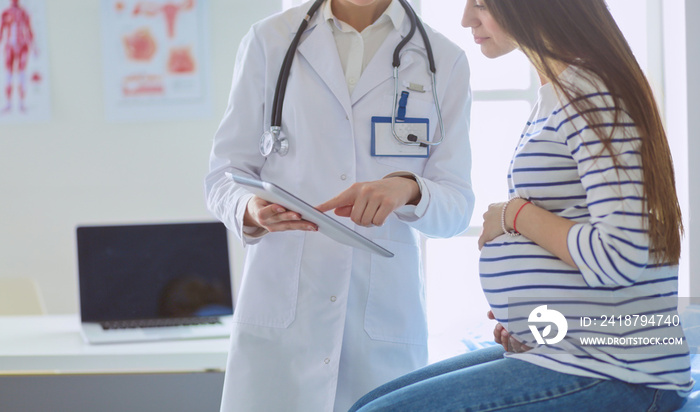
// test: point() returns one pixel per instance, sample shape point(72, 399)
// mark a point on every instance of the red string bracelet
point(515, 219)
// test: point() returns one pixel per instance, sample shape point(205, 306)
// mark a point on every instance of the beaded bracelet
point(503, 217)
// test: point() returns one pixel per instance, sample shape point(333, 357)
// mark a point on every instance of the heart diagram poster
point(155, 56)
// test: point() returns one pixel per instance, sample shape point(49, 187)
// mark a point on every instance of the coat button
point(326, 361)
point(343, 176)
point(333, 298)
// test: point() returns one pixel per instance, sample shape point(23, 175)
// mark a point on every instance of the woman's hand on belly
point(502, 337)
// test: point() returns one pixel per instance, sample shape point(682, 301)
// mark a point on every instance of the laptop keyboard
point(155, 323)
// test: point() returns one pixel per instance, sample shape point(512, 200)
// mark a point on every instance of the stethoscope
point(272, 142)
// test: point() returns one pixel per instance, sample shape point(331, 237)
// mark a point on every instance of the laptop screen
point(172, 270)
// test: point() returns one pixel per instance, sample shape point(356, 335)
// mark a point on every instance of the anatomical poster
point(24, 96)
point(156, 58)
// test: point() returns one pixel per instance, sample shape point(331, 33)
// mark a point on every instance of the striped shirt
point(617, 294)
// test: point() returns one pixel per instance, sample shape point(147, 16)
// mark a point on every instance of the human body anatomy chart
point(24, 69)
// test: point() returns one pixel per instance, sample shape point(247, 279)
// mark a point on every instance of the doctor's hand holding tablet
point(366, 204)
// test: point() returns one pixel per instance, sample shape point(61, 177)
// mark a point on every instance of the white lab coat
point(317, 323)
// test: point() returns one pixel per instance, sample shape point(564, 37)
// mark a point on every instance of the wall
point(79, 169)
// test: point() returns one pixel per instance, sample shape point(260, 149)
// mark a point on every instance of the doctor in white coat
point(317, 323)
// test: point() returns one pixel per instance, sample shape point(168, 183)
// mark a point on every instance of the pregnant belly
point(516, 268)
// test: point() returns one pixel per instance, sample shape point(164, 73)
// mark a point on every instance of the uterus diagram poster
point(155, 57)
point(24, 72)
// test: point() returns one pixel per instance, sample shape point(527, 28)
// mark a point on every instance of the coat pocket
point(270, 285)
point(396, 302)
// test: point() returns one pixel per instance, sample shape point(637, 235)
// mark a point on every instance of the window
point(504, 91)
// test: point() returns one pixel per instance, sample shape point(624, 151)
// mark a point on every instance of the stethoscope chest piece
point(271, 142)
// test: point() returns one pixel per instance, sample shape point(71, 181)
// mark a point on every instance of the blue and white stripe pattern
point(558, 165)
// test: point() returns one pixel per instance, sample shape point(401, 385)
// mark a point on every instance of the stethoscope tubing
point(416, 142)
point(413, 18)
point(281, 88)
point(415, 23)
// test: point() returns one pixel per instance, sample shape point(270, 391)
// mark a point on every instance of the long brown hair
point(583, 33)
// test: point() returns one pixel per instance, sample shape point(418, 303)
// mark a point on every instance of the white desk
point(45, 365)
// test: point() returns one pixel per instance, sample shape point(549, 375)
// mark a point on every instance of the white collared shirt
point(357, 49)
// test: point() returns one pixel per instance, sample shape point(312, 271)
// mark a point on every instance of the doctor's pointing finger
point(370, 203)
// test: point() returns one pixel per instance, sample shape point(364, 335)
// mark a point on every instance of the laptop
point(150, 282)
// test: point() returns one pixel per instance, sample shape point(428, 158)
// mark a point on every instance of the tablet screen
point(326, 224)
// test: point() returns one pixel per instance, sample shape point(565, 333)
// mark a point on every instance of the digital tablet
point(326, 224)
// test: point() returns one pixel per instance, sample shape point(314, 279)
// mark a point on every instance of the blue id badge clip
point(383, 141)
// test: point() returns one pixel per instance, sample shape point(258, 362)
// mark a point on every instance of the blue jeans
point(484, 380)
